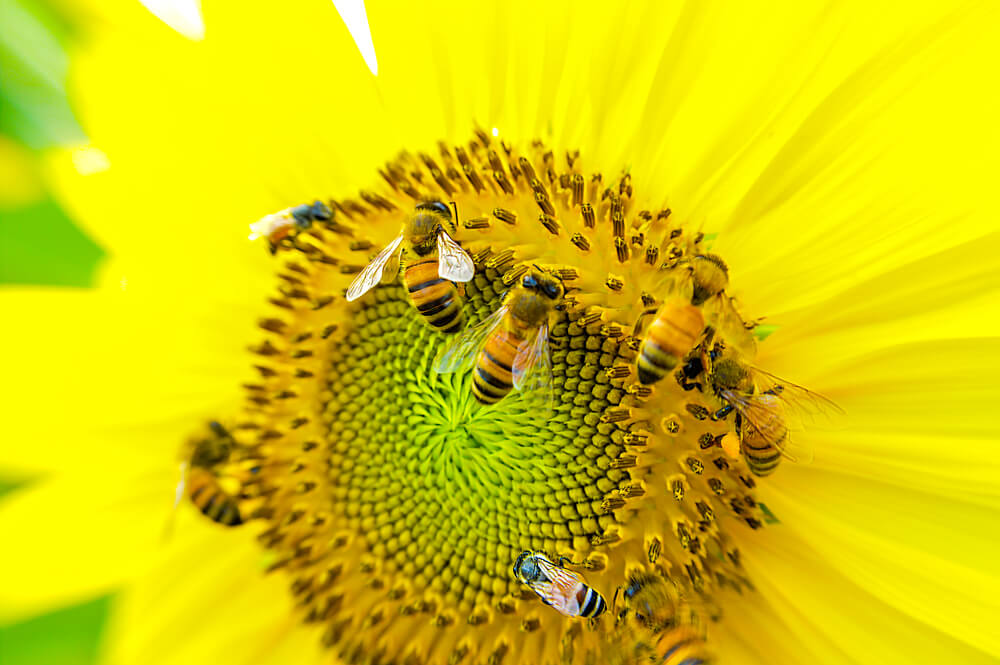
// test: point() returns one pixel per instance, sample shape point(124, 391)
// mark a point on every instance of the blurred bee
point(438, 261)
point(667, 628)
point(510, 349)
point(650, 599)
point(286, 224)
point(764, 406)
point(201, 482)
point(681, 645)
point(558, 587)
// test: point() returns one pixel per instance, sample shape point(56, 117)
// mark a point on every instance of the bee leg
point(570, 561)
point(638, 322)
point(723, 412)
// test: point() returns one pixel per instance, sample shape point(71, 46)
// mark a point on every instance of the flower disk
point(397, 504)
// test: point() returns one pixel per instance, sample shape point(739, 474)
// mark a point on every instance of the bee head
point(436, 207)
point(544, 283)
point(213, 448)
point(526, 567)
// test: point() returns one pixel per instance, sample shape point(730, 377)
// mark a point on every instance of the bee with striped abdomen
point(766, 407)
point(671, 336)
point(510, 349)
point(202, 483)
point(558, 587)
point(437, 262)
point(285, 225)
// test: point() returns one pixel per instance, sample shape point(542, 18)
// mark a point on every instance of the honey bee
point(657, 624)
point(510, 349)
point(201, 482)
point(703, 281)
point(287, 224)
point(650, 599)
point(765, 406)
point(438, 261)
point(558, 587)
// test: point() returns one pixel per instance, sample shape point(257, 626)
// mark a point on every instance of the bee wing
point(795, 450)
point(759, 410)
point(532, 369)
point(372, 273)
point(722, 316)
point(803, 407)
point(561, 589)
point(454, 263)
point(460, 350)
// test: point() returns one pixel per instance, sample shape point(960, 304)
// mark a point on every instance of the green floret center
point(431, 478)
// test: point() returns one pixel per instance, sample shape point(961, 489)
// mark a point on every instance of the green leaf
point(69, 636)
point(33, 63)
point(40, 245)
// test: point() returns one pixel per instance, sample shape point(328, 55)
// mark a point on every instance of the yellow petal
point(206, 599)
point(125, 372)
point(83, 534)
point(807, 611)
point(845, 191)
point(930, 557)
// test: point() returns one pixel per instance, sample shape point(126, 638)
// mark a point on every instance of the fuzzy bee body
point(510, 349)
point(437, 262)
point(209, 497)
point(202, 481)
point(287, 224)
point(671, 335)
point(435, 298)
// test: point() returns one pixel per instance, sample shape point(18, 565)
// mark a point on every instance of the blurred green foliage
point(39, 244)
point(34, 42)
point(65, 637)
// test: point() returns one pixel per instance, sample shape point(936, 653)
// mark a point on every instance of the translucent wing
point(454, 263)
point(372, 273)
point(532, 368)
point(561, 589)
point(726, 320)
point(795, 450)
point(803, 407)
point(460, 350)
point(766, 415)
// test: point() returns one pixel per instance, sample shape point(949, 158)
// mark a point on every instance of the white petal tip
point(352, 12)
point(184, 16)
point(88, 160)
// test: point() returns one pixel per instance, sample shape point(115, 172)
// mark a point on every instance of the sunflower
point(830, 162)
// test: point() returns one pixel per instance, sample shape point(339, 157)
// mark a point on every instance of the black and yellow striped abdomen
point(435, 298)
point(673, 333)
point(492, 377)
point(591, 603)
point(759, 442)
point(211, 499)
point(681, 645)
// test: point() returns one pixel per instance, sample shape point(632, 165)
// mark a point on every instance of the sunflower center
point(398, 503)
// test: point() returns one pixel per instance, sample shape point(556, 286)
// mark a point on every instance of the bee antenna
point(537, 267)
point(455, 207)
